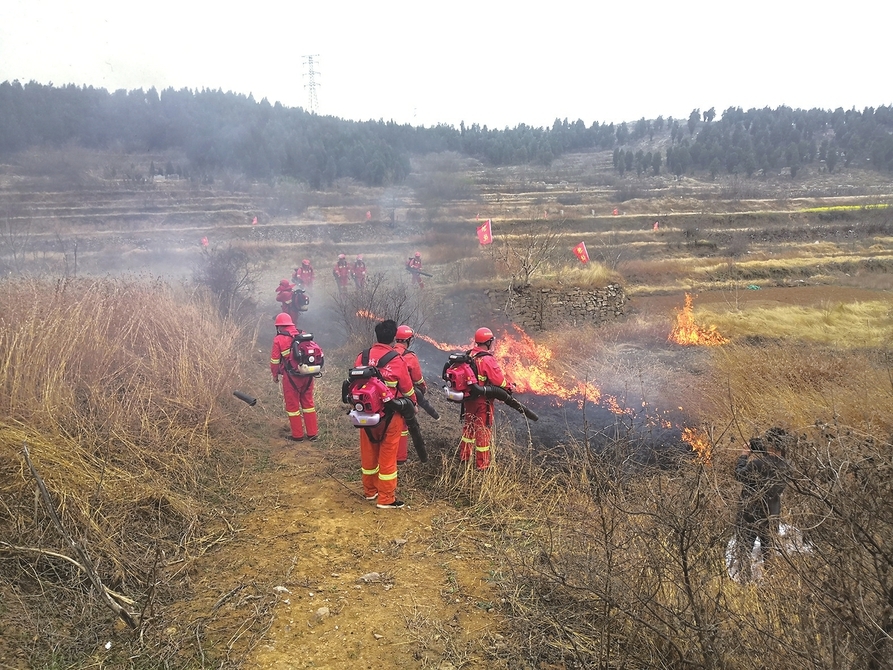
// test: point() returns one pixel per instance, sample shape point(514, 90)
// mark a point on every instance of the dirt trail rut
point(311, 539)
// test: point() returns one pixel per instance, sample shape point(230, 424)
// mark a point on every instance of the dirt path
point(310, 538)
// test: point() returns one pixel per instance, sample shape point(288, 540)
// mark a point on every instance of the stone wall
point(535, 308)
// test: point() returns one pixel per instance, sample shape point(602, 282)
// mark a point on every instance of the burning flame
point(687, 332)
point(526, 365)
point(699, 444)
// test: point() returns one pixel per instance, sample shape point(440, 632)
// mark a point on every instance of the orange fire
point(699, 444)
point(526, 364)
point(687, 332)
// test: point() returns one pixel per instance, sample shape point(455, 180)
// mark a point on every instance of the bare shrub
point(527, 255)
point(229, 275)
point(15, 238)
point(359, 311)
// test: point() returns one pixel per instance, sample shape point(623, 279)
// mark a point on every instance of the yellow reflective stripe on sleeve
point(391, 384)
point(410, 392)
point(482, 378)
point(405, 433)
point(482, 448)
point(468, 439)
point(274, 361)
point(370, 472)
point(386, 478)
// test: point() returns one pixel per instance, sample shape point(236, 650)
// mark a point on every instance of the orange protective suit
point(477, 413)
point(415, 374)
point(358, 272)
point(297, 390)
point(379, 444)
point(415, 263)
point(341, 272)
point(304, 275)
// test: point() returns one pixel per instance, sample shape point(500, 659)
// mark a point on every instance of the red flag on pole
point(368, 215)
point(485, 232)
point(581, 253)
point(254, 223)
point(204, 241)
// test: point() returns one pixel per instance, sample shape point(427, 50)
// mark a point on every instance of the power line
point(310, 74)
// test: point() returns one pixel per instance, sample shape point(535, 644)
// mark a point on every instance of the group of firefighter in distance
point(294, 295)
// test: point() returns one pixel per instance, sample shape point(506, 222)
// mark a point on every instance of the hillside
point(597, 540)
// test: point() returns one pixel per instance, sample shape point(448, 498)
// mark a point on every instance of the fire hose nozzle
point(244, 397)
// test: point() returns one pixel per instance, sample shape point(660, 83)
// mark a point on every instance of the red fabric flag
point(204, 241)
point(615, 212)
point(485, 232)
point(368, 215)
point(254, 223)
point(656, 225)
point(581, 253)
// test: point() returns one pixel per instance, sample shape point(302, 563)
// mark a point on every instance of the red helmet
point(418, 255)
point(404, 333)
point(341, 257)
point(305, 262)
point(359, 257)
point(284, 282)
point(483, 335)
point(283, 319)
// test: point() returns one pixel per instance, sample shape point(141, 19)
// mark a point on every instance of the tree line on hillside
point(767, 140)
point(217, 130)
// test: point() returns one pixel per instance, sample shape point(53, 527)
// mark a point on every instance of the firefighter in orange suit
point(358, 272)
point(414, 265)
point(477, 413)
point(297, 390)
point(304, 275)
point(284, 295)
point(379, 444)
point(284, 292)
point(341, 272)
point(404, 336)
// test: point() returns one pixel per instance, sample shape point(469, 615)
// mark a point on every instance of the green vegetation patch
point(846, 208)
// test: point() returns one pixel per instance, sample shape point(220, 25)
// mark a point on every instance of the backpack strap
point(384, 360)
point(472, 361)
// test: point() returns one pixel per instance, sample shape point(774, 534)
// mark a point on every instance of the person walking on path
point(304, 275)
point(297, 390)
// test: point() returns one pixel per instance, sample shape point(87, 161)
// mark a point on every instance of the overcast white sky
point(490, 62)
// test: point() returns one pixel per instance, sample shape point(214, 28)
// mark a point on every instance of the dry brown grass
point(755, 386)
point(115, 387)
point(852, 325)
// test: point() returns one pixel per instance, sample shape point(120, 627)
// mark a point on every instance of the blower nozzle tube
point(491, 391)
point(244, 397)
